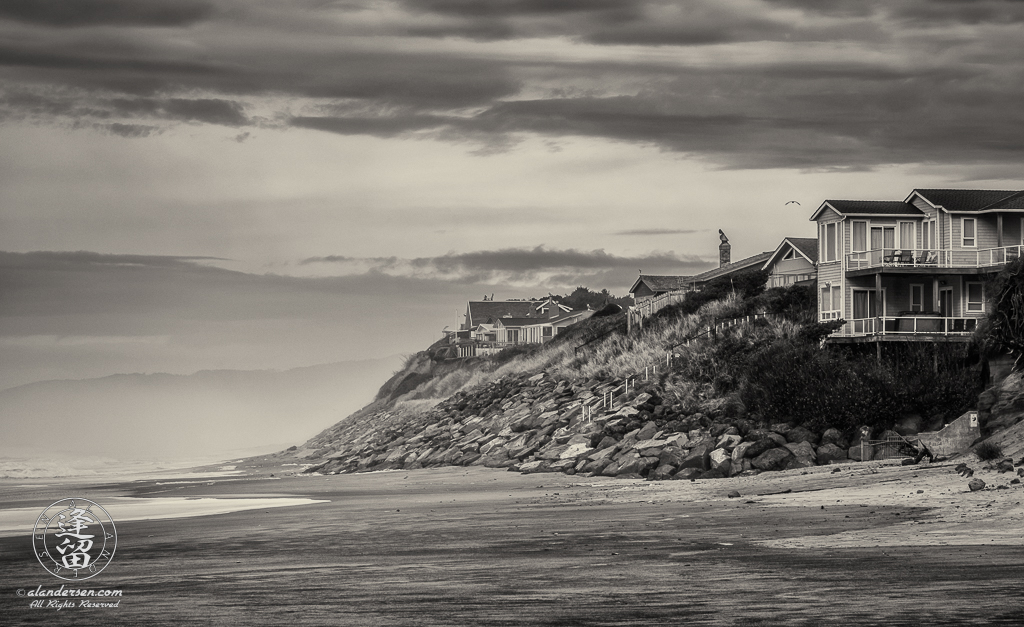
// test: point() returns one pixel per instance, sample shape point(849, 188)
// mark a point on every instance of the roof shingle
point(874, 207)
point(965, 199)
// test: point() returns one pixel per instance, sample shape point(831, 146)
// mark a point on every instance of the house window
point(883, 237)
point(828, 242)
point(917, 297)
point(865, 304)
point(831, 302)
point(860, 237)
point(975, 297)
point(928, 235)
point(907, 239)
point(547, 332)
point(969, 233)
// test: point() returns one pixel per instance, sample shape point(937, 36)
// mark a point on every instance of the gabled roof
point(967, 200)
point(661, 283)
point(518, 322)
point(1013, 203)
point(731, 268)
point(869, 208)
point(487, 311)
point(806, 247)
point(572, 315)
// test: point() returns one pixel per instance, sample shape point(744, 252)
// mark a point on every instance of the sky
point(196, 184)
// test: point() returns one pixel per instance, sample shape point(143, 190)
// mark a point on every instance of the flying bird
point(792, 202)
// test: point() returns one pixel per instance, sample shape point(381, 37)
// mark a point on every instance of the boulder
point(672, 455)
point(554, 451)
point(688, 473)
point(640, 399)
point(740, 451)
point(804, 454)
point(797, 435)
point(604, 453)
point(698, 456)
point(854, 453)
point(562, 465)
point(1005, 465)
point(782, 428)
point(597, 466)
point(678, 439)
point(647, 464)
point(728, 441)
point(829, 453)
point(721, 459)
point(834, 436)
point(758, 447)
point(774, 459)
point(976, 484)
point(1002, 406)
point(628, 466)
point(647, 431)
point(662, 472)
point(651, 448)
point(573, 451)
point(532, 467)
point(714, 473)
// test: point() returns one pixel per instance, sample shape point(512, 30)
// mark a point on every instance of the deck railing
point(646, 308)
point(907, 325)
point(932, 258)
point(785, 280)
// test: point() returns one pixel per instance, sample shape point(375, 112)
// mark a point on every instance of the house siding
point(833, 273)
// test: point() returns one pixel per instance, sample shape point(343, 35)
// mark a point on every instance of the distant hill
point(165, 416)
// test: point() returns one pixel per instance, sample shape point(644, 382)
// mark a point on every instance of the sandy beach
point(867, 544)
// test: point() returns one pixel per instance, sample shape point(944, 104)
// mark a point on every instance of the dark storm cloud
point(380, 126)
point(920, 11)
point(506, 8)
point(129, 130)
point(540, 264)
point(791, 83)
point(540, 258)
point(113, 12)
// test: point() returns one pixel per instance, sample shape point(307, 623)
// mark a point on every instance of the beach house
point(914, 269)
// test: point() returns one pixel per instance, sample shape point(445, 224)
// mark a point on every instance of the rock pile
point(537, 424)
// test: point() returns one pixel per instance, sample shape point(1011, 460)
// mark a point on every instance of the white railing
point(907, 325)
point(932, 258)
point(784, 280)
point(606, 399)
point(646, 308)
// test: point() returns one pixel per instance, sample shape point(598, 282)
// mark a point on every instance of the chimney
point(724, 249)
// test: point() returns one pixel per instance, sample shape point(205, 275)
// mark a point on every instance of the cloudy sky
point(190, 184)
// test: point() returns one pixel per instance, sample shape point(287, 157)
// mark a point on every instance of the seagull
point(792, 202)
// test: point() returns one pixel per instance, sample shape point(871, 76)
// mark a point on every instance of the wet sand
point(474, 546)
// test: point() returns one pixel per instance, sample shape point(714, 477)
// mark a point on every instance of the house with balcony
point(914, 269)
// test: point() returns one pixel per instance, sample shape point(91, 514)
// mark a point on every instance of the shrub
point(794, 380)
point(1004, 326)
point(988, 451)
